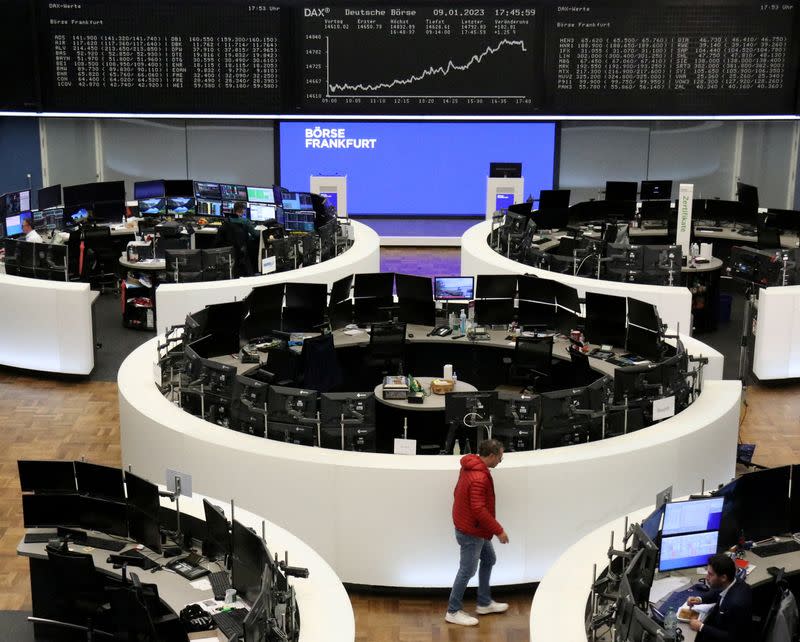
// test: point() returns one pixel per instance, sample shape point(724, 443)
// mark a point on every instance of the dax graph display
point(420, 59)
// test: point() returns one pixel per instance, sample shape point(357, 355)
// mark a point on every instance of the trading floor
point(45, 418)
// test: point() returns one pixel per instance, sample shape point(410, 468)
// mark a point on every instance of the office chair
point(101, 262)
point(387, 343)
point(134, 610)
point(321, 370)
point(235, 235)
point(532, 362)
point(80, 589)
point(581, 372)
point(768, 238)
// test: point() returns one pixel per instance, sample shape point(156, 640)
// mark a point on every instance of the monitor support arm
point(174, 496)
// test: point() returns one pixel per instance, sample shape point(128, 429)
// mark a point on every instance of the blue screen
point(503, 201)
point(415, 168)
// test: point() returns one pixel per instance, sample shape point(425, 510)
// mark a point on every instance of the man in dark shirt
point(730, 619)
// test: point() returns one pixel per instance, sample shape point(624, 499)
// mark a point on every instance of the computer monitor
point(621, 191)
point(208, 208)
point(97, 514)
point(413, 288)
point(15, 202)
point(747, 195)
point(14, 225)
point(355, 411)
point(531, 288)
point(560, 424)
point(642, 567)
point(304, 310)
point(515, 419)
point(180, 206)
point(505, 170)
point(761, 505)
point(496, 286)
point(624, 610)
point(220, 378)
point(143, 505)
point(453, 288)
point(183, 265)
point(178, 188)
point(231, 192)
point(261, 212)
point(469, 410)
point(149, 189)
point(99, 481)
point(567, 297)
point(502, 201)
point(46, 476)
point(606, 317)
point(261, 195)
point(298, 201)
point(494, 311)
point(109, 211)
point(292, 405)
point(644, 343)
point(78, 194)
point(692, 516)
point(109, 191)
point(46, 510)
point(636, 382)
point(553, 199)
point(153, 207)
point(375, 284)
point(645, 315)
point(296, 220)
point(49, 197)
point(257, 626)
point(217, 263)
point(217, 542)
point(207, 191)
point(651, 525)
point(249, 555)
point(687, 551)
point(656, 190)
point(251, 392)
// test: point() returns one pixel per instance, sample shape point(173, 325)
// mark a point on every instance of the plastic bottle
point(462, 322)
point(456, 448)
point(670, 620)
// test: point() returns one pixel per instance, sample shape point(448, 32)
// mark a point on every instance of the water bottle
point(462, 322)
point(670, 620)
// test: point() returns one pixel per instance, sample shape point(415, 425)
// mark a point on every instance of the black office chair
point(235, 235)
point(581, 372)
point(768, 238)
point(532, 363)
point(80, 590)
point(135, 613)
point(100, 260)
point(321, 370)
point(387, 342)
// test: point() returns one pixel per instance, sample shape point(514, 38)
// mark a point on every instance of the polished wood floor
point(46, 419)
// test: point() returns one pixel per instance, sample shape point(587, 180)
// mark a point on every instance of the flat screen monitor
point(230, 192)
point(652, 523)
point(109, 191)
point(179, 187)
point(149, 189)
point(207, 191)
point(99, 481)
point(340, 290)
point(645, 315)
point(249, 557)
point(296, 220)
point(531, 288)
point(567, 297)
point(331, 201)
point(687, 551)
point(49, 197)
point(42, 511)
point(209, 208)
point(78, 194)
point(142, 494)
point(656, 190)
point(15, 202)
point(261, 195)
point(180, 206)
point(297, 201)
point(14, 225)
point(413, 288)
point(503, 201)
point(304, 309)
point(505, 170)
point(109, 211)
point(642, 342)
point(554, 199)
point(348, 415)
point(747, 195)
point(47, 476)
point(692, 516)
point(97, 514)
point(496, 286)
point(621, 191)
point(605, 319)
point(153, 207)
point(453, 288)
point(217, 542)
point(466, 408)
point(291, 405)
point(635, 382)
point(259, 212)
point(761, 505)
point(144, 529)
point(374, 284)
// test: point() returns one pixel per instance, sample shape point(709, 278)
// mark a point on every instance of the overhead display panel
point(606, 57)
point(204, 56)
point(421, 59)
point(20, 82)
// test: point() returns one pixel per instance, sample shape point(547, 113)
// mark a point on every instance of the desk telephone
point(440, 331)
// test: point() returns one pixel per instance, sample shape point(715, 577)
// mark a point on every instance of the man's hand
point(695, 625)
point(503, 538)
point(693, 600)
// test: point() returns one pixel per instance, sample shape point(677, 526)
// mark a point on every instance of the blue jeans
point(473, 550)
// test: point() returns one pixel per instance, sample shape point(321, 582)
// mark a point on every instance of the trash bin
point(725, 304)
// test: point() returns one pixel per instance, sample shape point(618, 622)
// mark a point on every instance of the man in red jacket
point(473, 516)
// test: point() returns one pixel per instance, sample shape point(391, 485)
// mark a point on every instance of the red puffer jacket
point(473, 504)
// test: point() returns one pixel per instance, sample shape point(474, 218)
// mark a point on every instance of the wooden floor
point(45, 419)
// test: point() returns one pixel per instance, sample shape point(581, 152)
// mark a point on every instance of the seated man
point(31, 235)
point(731, 617)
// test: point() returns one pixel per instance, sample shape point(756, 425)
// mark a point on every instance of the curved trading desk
point(48, 325)
point(384, 520)
point(776, 353)
point(176, 300)
point(477, 257)
point(325, 609)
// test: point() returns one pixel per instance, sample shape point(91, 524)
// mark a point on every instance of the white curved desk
point(176, 300)
point(477, 257)
point(385, 520)
point(47, 325)
point(776, 354)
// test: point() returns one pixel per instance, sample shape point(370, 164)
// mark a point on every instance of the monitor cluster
point(72, 495)
point(765, 268)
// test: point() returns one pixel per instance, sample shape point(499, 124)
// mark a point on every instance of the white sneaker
point(493, 607)
point(459, 617)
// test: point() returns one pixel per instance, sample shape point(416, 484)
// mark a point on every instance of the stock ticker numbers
point(704, 58)
point(172, 56)
point(420, 59)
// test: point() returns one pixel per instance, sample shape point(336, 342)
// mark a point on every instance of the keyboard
point(676, 600)
point(220, 582)
point(230, 622)
point(104, 544)
point(39, 538)
point(778, 548)
point(708, 229)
